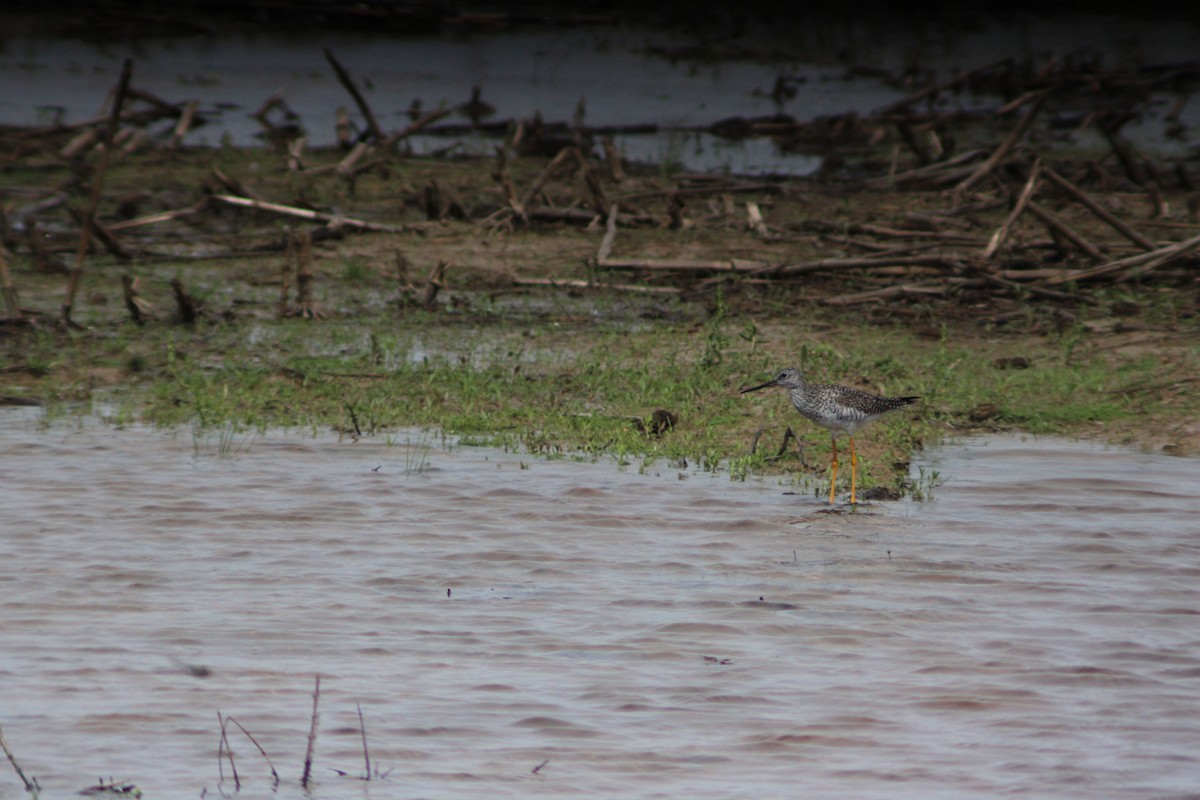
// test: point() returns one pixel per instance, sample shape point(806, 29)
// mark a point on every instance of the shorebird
point(837, 409)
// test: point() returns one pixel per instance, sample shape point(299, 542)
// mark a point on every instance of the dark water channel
point(1032, 632)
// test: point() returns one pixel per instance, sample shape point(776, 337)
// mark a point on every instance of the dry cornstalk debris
point(89, 214)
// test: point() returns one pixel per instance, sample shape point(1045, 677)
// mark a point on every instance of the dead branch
point(1056, 225)
point(999, 154)
point(89, 214)
point(613, 159)
point(421, 122)
point(163, 216)
point(184, 123)
point(1099, 210)
point(305, 213)
point(669, 265)
point(883, 294)
point(348, 82)
point(1018, 208)
point(1143, 262)
point(574, 283)
point(937, 88)
point(545, 176)
point(610, 235)
point(305, 306)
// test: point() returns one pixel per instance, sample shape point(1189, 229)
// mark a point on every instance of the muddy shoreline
point(928, 227)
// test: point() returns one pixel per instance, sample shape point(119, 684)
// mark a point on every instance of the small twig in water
point(31, 786)
point(274, 774)
point(223, 748)
point(362, 726)
point(538, 768)
point(312, 735)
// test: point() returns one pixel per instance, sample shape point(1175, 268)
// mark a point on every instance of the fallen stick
point(89, 213)
point(610, 235)
point(668, 265)
point(950, 83)
point(1018, 208)
point(233, 185)
point(544, 177)
point(305, 213)
point(574, 283)
point(184, 124)
point(1097, 209)
point(1142, 261)
point(421, 122)
point(948, 171)
point(882, 294)
point(1011, 141)
point(857, 263)
point(1051, 221)
point(613, 159)
point(348, 82)
point(163, 216)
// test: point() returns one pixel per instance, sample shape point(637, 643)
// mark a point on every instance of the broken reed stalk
point(423, 121)
point(312, 735)
point(348, 82)
point(1018, 208)
point(189, 309)
point(362, 726)
point(613, 159)
point(223, 748)
point(140, 310)
point(184, 124)
point(89, 214)
point(1056, 225)
point(305, 305)
point(610, 235)
point(274, 774)
point(31, 786)
point(1129, 267)
point(10, 293)
point(433, 284)
point(304, 213)
point(547, 174)
point(1097, 209)
point(1006, 147)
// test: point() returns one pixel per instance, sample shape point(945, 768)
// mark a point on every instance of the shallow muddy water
point(1033, 631)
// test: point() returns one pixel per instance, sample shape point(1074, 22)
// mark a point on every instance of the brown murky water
point(1032, 632)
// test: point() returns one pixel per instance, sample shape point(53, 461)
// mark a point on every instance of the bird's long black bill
point(756, 388)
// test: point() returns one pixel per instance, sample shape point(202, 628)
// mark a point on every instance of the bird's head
point(789, 378)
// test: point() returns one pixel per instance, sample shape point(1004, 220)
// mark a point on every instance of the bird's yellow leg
point(833, 477)
point(853, 472)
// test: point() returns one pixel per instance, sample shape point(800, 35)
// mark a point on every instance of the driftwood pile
point(1012, 173)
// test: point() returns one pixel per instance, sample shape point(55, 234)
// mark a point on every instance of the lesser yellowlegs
point(837, 409)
